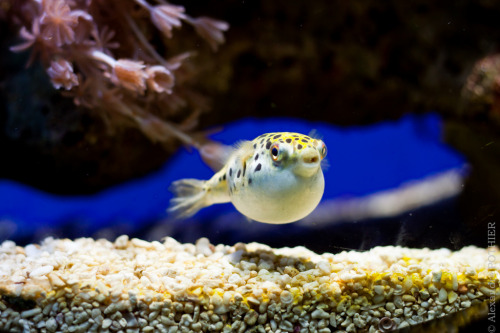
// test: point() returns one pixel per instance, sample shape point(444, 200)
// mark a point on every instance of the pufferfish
point(276, 178)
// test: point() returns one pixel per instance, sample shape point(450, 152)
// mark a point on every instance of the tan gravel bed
point(127, 285)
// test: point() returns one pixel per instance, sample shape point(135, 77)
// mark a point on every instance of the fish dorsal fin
point(244, 149)
point(314, 133)
point(216, 154)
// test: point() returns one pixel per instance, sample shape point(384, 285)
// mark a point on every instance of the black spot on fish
point(254, 145)
point(244, 168)
point(239, 174)
point(230, 172)
point(281, 140)
point(268, 145)
point(224, 177)
point(256, 156)
point(296, 139)
point(249, 181)
point(262, 141)
point(288, 140)
point(295, 136)
point(276, 136)
point(258, 167)
point(299, 146)
point(304, 140)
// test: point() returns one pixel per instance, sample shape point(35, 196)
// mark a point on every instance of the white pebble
point(39, 271)
point(436, 276)
point(286, 297)
point(121, 242)
point(320, 314)
point(465, 304)
point(324, 267)
point(443, 295)
point(32, 251)
point(235, 279)
point(30, 313)
point(470, 271)
point(452, 297)
point(51, 325)
point(378, 289)
point(106, 323)
point(203, 246)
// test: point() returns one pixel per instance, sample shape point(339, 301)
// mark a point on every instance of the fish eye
point(323, 151)
point(275, 152)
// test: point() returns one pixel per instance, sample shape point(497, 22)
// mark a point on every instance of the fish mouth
point(308, 163)
point(311, 159)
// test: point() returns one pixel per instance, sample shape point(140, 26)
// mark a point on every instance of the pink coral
point(99, 52)
point(30, 38)
point(129, 74)
point(58, 21)
point(166, 17)
point(61, 74)
point(160, 79)
point(210, 29)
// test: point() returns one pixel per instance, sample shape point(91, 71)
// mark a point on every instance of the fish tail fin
point(190, 197)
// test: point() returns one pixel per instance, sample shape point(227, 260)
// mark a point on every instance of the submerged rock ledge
point(138, 286)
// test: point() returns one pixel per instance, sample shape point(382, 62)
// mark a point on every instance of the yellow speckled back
point(299, 141)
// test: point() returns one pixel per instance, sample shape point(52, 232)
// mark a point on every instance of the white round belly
point(281, 198)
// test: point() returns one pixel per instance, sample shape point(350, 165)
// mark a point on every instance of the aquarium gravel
point(131, 285)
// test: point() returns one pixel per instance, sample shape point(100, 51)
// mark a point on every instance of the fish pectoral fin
point(325, 165)
point(249, 220)
point(190, 197)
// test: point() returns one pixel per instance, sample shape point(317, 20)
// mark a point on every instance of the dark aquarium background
point(347, 64)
